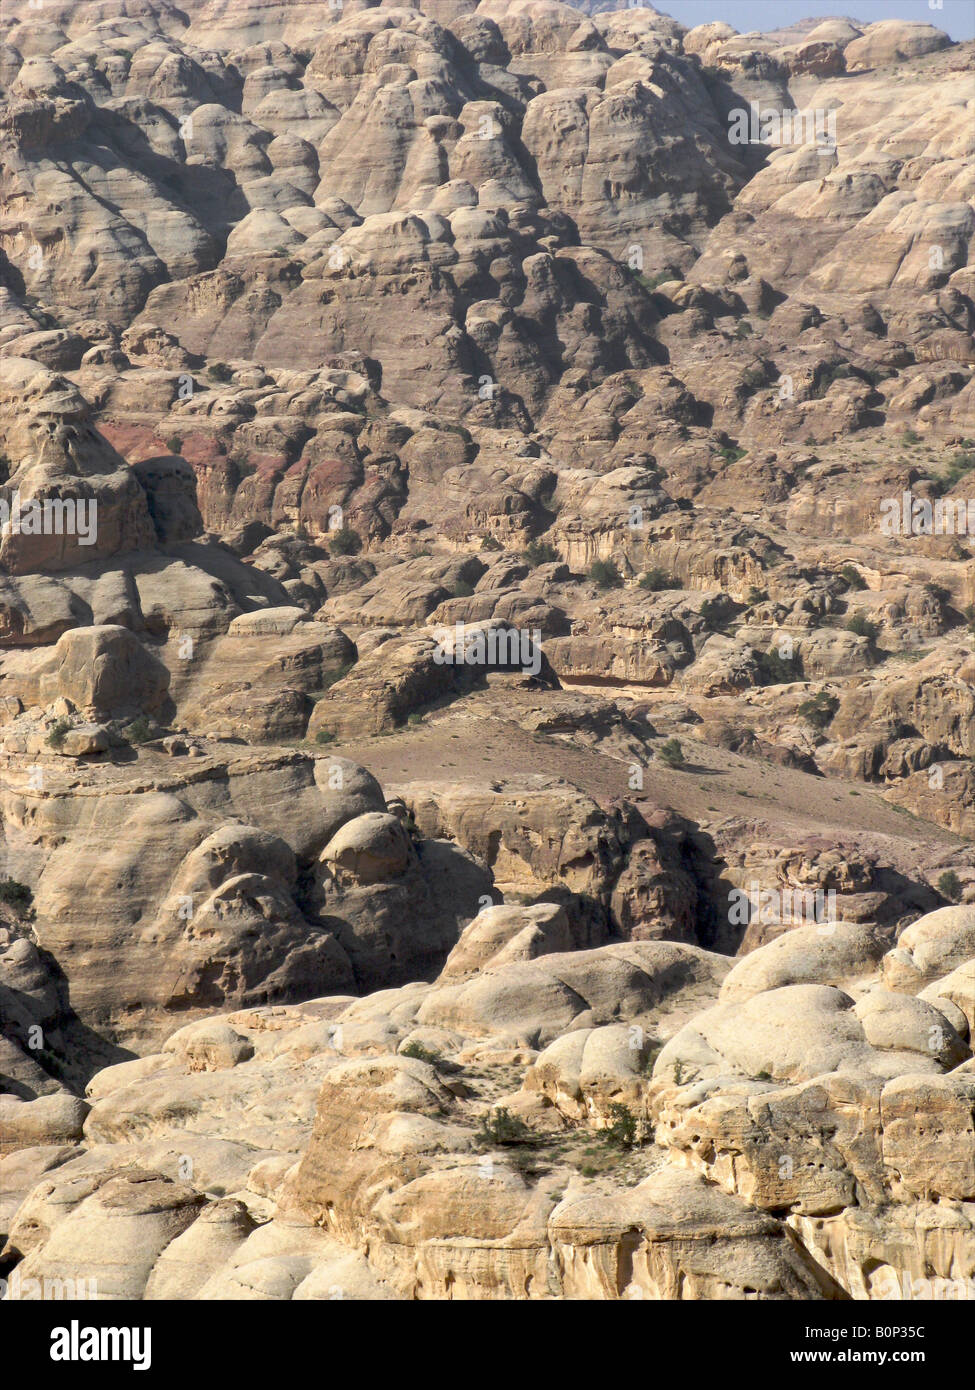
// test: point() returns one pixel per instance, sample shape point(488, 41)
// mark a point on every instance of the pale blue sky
point(956, 17)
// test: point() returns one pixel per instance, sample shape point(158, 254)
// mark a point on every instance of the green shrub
point(220, 371)
point(16, 895)
point(491, 543)
point(605, 575)
point(744, 329)
point(621, 1134)
point(731, 454)
point(962, 463)
point(777, 669)
point(650, 282)
point(58, 730)
point(324, 736)
point(344, 541)
point(949, 886)
point(138, 731)
point(420, 1053)
point(853, 578)
point(500, 1127)
point(656, 579)
point(174, 443)
point(819, 711)
point(671, 753)
point(863, 627)
point(540, 553)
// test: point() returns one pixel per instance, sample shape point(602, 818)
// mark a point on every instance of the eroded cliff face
point(486, 716)
point(636, 1120)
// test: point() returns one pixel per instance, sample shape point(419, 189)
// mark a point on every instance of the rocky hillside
point(486, 707)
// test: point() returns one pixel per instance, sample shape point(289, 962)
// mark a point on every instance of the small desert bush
point(57, 732)
point(852, 577)
point(540, 553)
point(344, 541)
point(605, 575)
point(949, 886)
point(819, 710)
point(621, 1133)
point(863, 627)
point(501, 1127)
point(671, 753)
point(420, 1053)
point(16, 895)
point(656, 580)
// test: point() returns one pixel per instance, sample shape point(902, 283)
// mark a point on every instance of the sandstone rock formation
point(486, 652)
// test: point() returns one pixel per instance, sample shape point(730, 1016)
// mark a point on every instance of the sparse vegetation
point(621, 1133)
point(671, 753)
point(139, 731)
point(605, 575)
point(420, 1053)
point(949, 886)
point(16, 895)
point(344, 541)
point(777, 669)
point(963, 462)
point(220, 371)
point(852, 577)
point(325, 736)
point(540, 553)
point(499, 1128)
point(861, 626)
point(819, 710)
point(57, 732)
point(652, 282)
point(174, 443)
point(656, 580)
